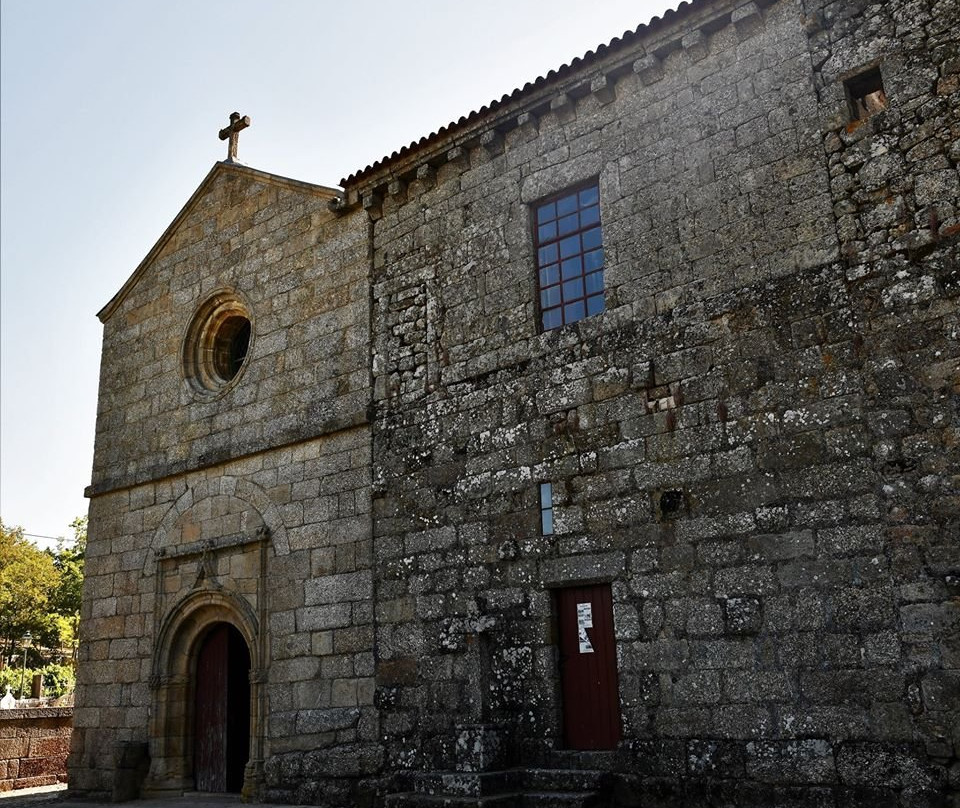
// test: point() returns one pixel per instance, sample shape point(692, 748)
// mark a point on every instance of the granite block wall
point(754, 443)
point(34, 743)
point(247, 505)
point(301, 273)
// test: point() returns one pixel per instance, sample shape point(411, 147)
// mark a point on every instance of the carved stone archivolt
point(182, 633)
point(267, 524)
point(210, 569)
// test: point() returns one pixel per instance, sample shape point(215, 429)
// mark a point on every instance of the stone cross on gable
point(237, 124)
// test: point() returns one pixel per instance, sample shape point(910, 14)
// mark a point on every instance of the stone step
point(541, 779)
point(603, 760)
point(513, 788)
point(413, 799)
point(563, 799)
point(528, 799)
point(467, 784)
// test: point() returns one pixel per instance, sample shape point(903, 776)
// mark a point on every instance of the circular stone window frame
point(215, 323)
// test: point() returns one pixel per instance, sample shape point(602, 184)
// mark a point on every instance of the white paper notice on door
point(584, 621)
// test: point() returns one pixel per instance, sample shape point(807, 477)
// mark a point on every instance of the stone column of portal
point(480, 744)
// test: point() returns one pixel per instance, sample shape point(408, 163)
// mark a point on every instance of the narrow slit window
point(865, 94)
point(546, 509)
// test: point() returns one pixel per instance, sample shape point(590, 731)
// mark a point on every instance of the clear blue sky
point(110, 114)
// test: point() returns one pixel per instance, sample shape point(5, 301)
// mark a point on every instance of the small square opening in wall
point(865, 94)
point(668, 505)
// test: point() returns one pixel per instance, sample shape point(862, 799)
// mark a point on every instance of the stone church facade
point(604, 441)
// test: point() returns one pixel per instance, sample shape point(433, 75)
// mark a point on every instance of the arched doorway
point(197, 635)
point(221, 714)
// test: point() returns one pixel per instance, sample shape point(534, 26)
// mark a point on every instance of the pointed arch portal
point(206, 732)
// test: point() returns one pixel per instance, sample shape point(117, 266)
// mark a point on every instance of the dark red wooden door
point(222, 711)
point(588, 668)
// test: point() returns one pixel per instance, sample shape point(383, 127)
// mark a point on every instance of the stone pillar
point(480, 744)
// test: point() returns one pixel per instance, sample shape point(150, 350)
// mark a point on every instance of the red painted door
point(222, 711)
point(588, 668)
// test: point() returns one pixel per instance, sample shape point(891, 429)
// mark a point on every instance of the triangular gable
point(297, 185)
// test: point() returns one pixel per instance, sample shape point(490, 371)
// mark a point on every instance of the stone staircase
point(510, 788)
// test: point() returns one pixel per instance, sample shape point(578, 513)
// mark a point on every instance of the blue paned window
point(569, 256)
point(546, 509)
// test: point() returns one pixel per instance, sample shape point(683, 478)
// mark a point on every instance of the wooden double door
point(588, 667)
point(221, 724)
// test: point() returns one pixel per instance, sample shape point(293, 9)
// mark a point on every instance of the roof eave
point(658, 35)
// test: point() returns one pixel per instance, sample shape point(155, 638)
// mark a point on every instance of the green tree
point(28, 579)
point(67, 597)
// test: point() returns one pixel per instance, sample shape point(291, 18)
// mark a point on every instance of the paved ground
point(56, 797)
point(32, 796)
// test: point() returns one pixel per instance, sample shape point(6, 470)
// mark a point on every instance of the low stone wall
point(34, 744)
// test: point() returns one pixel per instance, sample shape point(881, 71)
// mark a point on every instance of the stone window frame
point(210, 342)
point(865, 92)
point(560, 299)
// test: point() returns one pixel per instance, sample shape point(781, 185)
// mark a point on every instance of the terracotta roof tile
point(617, 43)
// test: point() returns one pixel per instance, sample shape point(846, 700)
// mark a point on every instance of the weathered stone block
point(874, 765)
point(809, 761)
point(346, 587)
point(744, 580)
point(309, 722)
point(743, 615)
point(315, 618)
